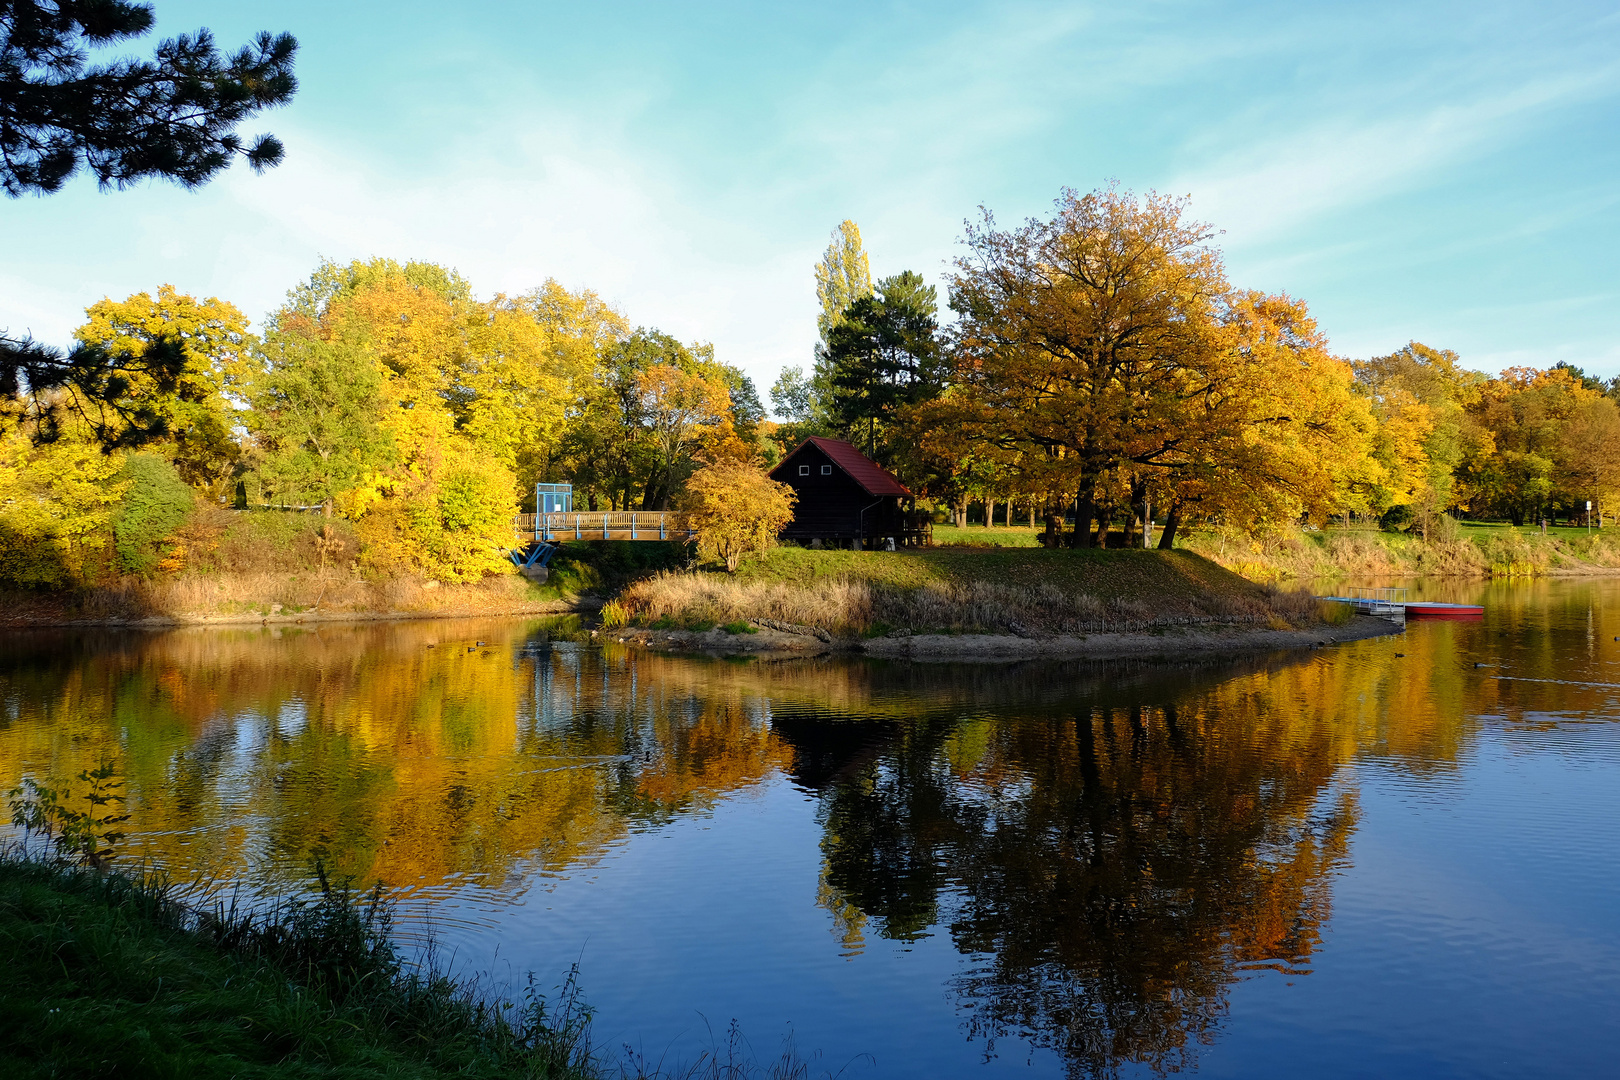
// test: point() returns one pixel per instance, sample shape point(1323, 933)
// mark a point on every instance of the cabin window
point(826, 470)
point(804, 470)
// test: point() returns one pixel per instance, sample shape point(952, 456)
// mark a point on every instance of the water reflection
point(1108, 849)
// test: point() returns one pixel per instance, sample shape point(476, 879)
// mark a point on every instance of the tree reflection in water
point(1109, 848)
point(1107, 873)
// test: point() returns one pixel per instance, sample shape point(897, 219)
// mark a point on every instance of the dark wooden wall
point(829, 507)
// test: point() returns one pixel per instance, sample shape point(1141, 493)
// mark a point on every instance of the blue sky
point(1438, 172)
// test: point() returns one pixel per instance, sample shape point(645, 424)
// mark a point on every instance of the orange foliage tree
point(734, 509)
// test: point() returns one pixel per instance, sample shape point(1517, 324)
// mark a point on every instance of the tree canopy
point(1103, 353)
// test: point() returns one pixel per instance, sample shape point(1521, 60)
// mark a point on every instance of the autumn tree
point(196, 417)
point(1546, 443)
point(734, 509)
point(843, 276)
point(683, 410)
point(1425, 433)
point(1106, 351)
point(57, 504)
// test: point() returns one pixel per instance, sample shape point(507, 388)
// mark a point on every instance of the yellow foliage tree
point(57, 503)
point(213, 335)
point(734, 509)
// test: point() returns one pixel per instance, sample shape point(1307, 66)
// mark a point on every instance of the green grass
point(1106, 574)
point(107, 976)
point(979, 536)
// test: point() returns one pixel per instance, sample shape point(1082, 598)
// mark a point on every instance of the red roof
point(874, 478)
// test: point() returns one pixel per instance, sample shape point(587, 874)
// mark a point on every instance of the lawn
point(1104, 574)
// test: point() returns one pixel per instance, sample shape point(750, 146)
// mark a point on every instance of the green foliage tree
point(882, 355)
point(155, 504)
point(315, 416)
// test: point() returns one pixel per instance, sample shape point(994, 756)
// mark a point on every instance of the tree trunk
point(961, 514)
point(989, 513)
point(1105, 519)
point(1131, 518)
point(1167, 536)
point(1032, 514)
point(1084, 511)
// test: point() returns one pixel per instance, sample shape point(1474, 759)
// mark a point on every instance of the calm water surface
point(1381, 859)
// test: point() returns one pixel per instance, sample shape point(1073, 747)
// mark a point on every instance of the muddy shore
point(1170, 644)
point(584, 605)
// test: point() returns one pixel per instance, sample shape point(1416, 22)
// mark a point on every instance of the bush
point(155, 505)
point(1396, 519)
point(734, 509)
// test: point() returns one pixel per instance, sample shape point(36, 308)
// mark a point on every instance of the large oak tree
point(1103, 350)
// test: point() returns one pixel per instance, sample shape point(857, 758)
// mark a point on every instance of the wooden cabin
point(845, 497)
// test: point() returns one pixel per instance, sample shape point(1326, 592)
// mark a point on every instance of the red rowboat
point(1429, 610)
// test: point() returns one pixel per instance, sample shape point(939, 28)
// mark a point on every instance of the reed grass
point(1454, 549)
point(848, 606)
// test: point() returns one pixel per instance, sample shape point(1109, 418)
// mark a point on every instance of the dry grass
point(316, 593)
point(844, 606)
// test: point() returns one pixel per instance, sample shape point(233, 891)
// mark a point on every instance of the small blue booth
point(554, 498)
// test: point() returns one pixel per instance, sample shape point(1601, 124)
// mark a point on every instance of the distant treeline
point(1100, 367)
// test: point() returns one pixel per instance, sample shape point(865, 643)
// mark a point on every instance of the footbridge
point(555, 521)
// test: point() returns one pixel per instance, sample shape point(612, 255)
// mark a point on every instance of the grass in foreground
point(109, 976)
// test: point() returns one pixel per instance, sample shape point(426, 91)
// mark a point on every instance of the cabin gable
point(832, 504)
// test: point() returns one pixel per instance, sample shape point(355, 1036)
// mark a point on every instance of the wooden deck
point(601, 525)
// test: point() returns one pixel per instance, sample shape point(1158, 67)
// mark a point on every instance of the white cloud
point(1272, 185)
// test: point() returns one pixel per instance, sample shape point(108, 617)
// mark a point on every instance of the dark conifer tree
point(172, 117)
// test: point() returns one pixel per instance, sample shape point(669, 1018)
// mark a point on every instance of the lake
point(1398, 857)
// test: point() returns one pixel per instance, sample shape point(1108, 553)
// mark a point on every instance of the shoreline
point(1169, 644)
point(583, 605)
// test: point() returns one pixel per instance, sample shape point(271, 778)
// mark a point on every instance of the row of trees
point(1101, 362)
point(384, 393)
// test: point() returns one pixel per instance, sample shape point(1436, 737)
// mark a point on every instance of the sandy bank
point(29, 619)
point(1169, 644)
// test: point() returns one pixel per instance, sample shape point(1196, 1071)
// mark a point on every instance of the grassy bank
point(1466, 549)
point(268, 564)
point(109, 976)
point(963, 590)
point(1458, 549)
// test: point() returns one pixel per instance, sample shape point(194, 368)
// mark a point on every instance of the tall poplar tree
point(843, 276)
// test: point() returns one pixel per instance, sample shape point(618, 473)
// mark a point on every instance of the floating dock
point(1393, 604)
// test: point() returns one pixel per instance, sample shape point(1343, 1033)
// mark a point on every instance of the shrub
point(615, 615)
point(734, 509)
point(155, 504)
